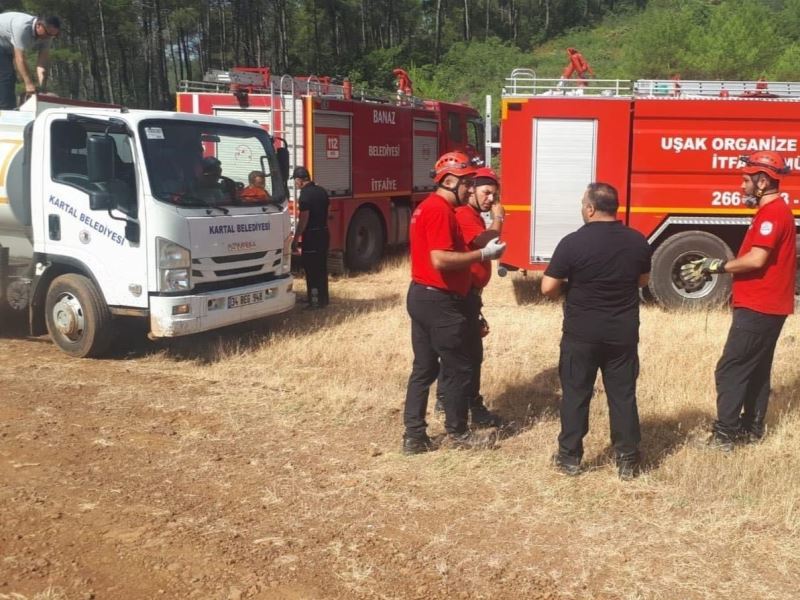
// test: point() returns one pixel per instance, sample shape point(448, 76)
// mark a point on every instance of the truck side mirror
point(282, 155)
point(100, 200)
point(100, 151)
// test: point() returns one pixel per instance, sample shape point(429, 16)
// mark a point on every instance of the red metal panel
point(685, 153)
point(613, 116)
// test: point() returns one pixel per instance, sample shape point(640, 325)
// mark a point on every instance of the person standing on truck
point(436, 302)
point(484, 198)
point(19, 33)
point(600, 268)
point(312, 229)
point(763, 296)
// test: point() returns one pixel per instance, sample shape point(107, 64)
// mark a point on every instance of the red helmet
point(766, 161)
point(453, 163)
point(487, 173)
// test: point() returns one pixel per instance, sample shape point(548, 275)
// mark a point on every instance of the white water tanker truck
point(107, 213)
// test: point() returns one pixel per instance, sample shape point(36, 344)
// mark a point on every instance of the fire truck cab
point(371, 151)
point(671, 148)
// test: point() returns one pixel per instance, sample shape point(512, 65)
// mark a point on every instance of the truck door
point(91, 238)
point(552, 149)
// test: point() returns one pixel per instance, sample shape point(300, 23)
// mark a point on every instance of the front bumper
point(210, 310)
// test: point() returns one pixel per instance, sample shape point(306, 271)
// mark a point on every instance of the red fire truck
point(373, 153)
point(671, 148)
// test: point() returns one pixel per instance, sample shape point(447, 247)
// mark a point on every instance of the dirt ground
point(116, 486)
point(208, 468)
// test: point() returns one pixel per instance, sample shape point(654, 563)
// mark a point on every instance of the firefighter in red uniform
point(440, 273)
point(577, 65)
point(484, 198)
point(763, 296)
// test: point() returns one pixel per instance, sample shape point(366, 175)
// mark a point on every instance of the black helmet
point(301, 173)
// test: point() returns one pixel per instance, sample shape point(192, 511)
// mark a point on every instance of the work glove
point(494, 248)
point(694, 271)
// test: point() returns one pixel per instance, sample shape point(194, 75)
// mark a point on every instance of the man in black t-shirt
point(312, 226)
point(600, 269)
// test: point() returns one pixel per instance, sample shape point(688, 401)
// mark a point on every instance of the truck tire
point(77, 317)
point(365, 241)
point(665, 283)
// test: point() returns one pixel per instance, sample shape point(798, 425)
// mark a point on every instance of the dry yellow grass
point(312, 403)
point(696, 524)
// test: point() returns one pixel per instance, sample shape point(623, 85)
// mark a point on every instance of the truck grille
point(231, 267)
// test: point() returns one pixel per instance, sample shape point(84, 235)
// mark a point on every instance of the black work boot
point(416, 445)
point(471, 440)
point(567, 465)
point(629, 466)
point(721, 441)
point(752, 432)
point(482, 417)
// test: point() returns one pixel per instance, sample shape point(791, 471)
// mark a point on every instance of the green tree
point(739, 42)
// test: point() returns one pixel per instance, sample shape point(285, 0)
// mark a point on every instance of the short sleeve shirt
point(602, 262)
point(472, 225)
point(314, 199)
point(434, 227)
point(769, 290)
point(16, 31)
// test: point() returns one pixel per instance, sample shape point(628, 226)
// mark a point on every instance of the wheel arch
point(54, 266)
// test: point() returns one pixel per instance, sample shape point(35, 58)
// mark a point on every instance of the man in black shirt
point(600, 268)
point(313, 227)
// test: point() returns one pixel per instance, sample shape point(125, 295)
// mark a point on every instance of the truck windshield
point(207, 164)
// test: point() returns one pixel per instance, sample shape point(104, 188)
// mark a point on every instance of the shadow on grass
point(523, 404)
point(212, 346)
point(527, 289)
point(130, 338)
point(661, 437)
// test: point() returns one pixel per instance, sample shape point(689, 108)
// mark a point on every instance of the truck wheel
point(78, 319)
point(666, 285)
point(365, 240)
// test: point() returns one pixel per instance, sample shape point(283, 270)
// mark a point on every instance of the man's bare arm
point(22, 68)
point(42, 67)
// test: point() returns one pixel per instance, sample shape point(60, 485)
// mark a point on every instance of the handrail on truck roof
point(524, 83)
point(221, 82)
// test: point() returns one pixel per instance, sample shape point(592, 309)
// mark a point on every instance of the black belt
point(317, 229)
point(439, 290)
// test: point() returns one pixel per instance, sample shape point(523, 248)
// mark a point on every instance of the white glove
point(494, 248)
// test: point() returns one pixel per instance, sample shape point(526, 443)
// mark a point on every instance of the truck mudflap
point(173, 316)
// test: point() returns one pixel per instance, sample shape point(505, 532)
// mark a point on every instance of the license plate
point(245, 299)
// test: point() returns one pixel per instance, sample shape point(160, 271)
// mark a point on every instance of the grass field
point(283, 477)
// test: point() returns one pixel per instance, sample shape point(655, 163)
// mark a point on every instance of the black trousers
point(577, 368)
point(315, 265)
point(474, 346)
point(744, 370)
point(8, 80)
point(439, 328)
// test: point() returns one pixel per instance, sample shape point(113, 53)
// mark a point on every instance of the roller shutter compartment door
point(565, 157)
point(426, 151)
point(332, 157)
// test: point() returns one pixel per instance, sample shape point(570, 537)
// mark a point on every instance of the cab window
point(454, 127)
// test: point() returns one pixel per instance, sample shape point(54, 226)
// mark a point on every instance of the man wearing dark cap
point(19, 33)
point(312, 229)
point(208, 184)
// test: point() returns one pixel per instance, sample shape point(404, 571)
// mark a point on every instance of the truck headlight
point(174, 266)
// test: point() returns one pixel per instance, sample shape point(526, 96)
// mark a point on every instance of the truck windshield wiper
point(198, 201)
